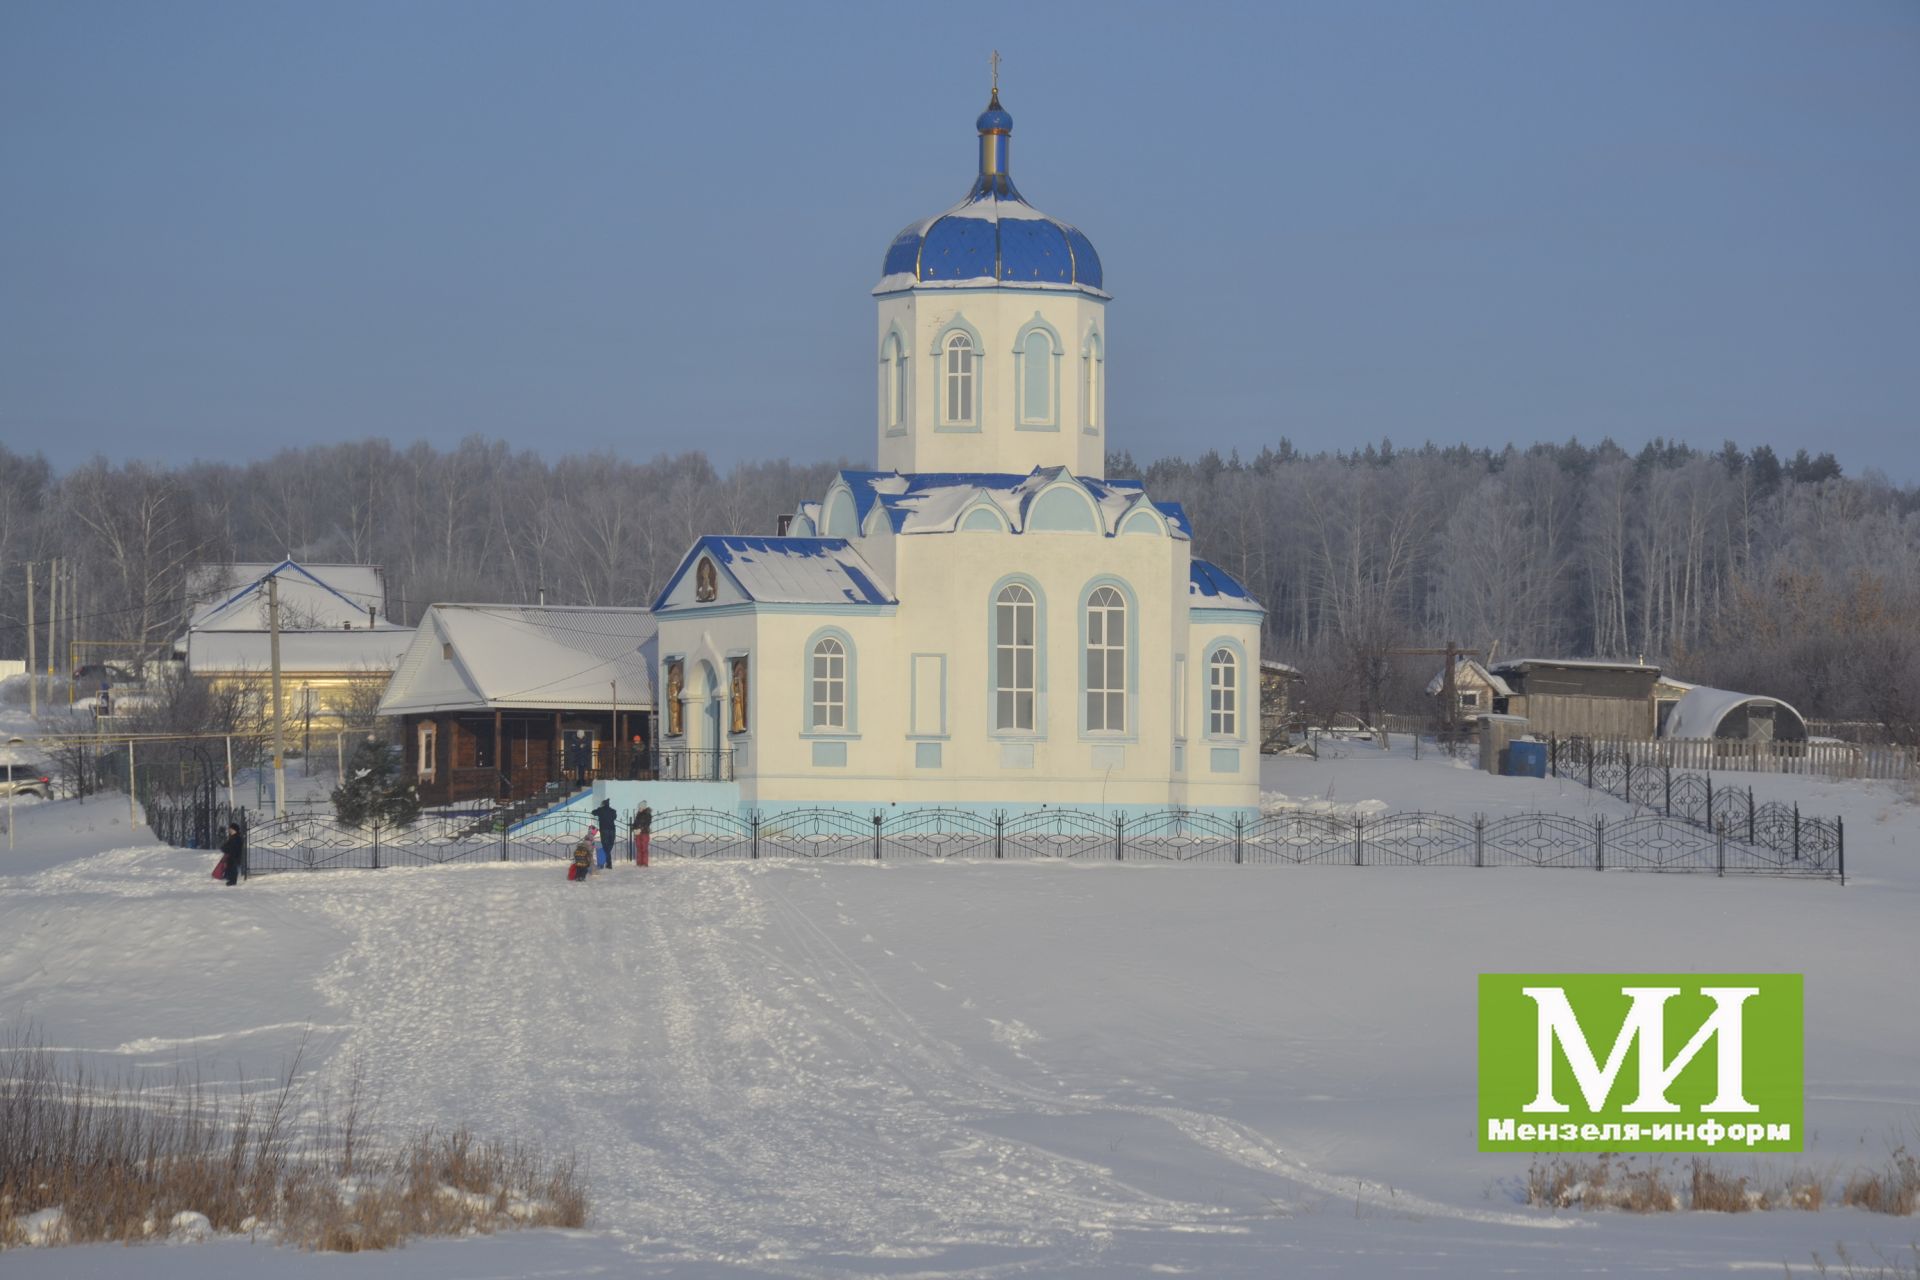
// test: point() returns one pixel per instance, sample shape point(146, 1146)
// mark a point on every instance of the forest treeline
point(1735, 567)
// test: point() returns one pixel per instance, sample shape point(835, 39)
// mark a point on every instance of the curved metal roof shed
point(1721, 713)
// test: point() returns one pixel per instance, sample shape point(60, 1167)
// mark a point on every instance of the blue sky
point(228, 228)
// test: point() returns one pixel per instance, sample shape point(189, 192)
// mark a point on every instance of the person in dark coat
point(233, 851)
point(606, 817)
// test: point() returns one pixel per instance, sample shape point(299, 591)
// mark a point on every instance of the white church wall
point(1005, 431)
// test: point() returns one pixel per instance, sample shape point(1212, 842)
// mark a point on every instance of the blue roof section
point(1209, 581)
point(821, 571)
point(993, 237)
point(934, 501)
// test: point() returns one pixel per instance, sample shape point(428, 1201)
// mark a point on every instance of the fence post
point(1627, 791)
point(503, 842)
point(1720, 849)
point(1709, 778)
point(753, 835)
point(999, 833)
point(1600, 843)
point(1479, 839)
point(376, 846)
point(1667, 773)
point(1359, 857)
point(1553, 754)
point(1796, 831)
point(1840, 847)
point(1589, 768)
point(1750, 839)
point(1239, 837)
point(1119, 837)
point(876, 837)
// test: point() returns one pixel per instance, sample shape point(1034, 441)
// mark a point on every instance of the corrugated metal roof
point(473, 656)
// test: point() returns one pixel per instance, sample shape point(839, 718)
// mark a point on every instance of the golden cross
point(996, 70)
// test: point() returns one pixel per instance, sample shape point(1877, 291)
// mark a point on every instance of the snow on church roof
point(483, 656)
point(935, 501)
point(993, 238)
point(1220, 589)
point(788, 570)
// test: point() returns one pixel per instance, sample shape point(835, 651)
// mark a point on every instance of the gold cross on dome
point(995, 60)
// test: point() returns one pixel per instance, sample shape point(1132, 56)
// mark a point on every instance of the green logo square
point(1641, 1061)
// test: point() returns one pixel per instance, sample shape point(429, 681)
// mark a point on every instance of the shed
point(1702, 712)
point(1477, 689)
point(1582, 697)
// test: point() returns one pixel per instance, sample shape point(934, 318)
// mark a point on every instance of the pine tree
point(374, 793)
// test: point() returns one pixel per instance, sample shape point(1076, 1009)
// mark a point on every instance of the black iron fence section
point(1693, 798)
point(693, 764)
point(1783, 843)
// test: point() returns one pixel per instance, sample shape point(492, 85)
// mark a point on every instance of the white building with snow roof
point(989, 623)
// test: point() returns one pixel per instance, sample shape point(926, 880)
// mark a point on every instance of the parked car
point(26, 779)
point(107, 672)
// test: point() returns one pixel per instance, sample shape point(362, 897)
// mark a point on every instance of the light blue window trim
point(1216, 615)
point(1036, 376)
point(1144, 520)
point(983, 518)
point(943, 417)
point(1093, 382)
point(896, 390)
point(841, 518)
point(830, 755)
point(926, 755)
point(851, 729)
point(1224, 759)
point(1039, 729)
point(1064, 508)
point(1131, 733)
point(1243, 685)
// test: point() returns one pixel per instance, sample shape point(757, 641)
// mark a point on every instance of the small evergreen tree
point(373, 791)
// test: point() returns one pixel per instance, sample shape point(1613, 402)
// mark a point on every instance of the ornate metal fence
point(1779, 841)
point(1619, 769)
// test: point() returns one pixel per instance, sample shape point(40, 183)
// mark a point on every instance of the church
point(986, 621)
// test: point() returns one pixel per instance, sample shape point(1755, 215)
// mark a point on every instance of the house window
point(1013, 658)
point(1036, 378)
point(829, 685)
point(960, 390)
point(429, 761)
point(1106, 661)
point(1470, 698)
point(1223, 694)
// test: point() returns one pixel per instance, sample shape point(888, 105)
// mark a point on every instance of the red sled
point(575, 871)
point(220, 869)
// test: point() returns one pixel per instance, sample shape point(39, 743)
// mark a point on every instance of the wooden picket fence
point(1821, 759)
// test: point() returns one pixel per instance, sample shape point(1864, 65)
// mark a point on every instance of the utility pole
point(33, 669)
point(53, 619)
point(279, 712)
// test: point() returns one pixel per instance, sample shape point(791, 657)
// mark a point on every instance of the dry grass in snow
point(84, 1159)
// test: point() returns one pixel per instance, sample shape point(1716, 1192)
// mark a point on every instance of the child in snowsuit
point(582, 865)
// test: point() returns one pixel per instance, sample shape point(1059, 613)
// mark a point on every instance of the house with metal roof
point(503, 702)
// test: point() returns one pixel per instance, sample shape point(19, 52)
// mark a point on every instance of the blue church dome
point(993, 237)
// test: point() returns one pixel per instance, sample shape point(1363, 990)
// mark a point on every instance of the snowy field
point(976, 1069)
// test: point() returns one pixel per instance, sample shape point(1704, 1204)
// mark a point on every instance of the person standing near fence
point(233, 852)
point(642, 833)
point(606, 817)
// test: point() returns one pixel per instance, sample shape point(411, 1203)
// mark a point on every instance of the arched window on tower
point(959, 380)
point(893, 382)
point(1093, 394)
point(1036, 378)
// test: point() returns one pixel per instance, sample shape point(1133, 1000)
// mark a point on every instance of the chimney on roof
point(786, 523)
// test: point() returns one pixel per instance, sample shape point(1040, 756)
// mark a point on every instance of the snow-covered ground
point(919, 1069)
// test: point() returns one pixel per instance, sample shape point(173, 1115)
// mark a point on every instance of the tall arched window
point(1036, 378)
point(1094, 357)
point(893, 382)
point(1223, 694)
point(1106, 661)
point(829, 685)
point(1013, 658)
point(959, 375)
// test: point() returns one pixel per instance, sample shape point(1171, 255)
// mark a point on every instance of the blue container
point(1526, 760)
